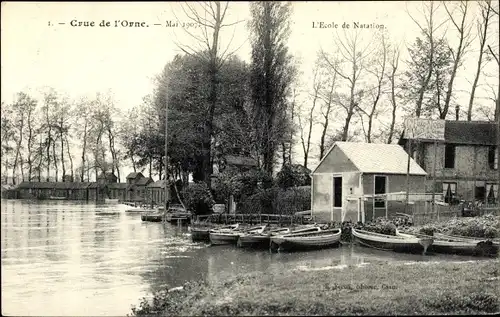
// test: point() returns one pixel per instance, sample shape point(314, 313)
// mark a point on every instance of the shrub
point(198, 198)
point(277, 201)
point(293, 175)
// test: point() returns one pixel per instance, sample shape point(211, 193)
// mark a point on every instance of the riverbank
point(416, 288)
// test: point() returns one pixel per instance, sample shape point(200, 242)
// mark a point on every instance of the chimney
point(457, 112)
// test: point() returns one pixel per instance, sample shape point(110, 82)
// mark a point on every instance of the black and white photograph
point(250, 158)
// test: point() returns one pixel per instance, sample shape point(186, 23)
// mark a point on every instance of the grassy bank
point(374, 289)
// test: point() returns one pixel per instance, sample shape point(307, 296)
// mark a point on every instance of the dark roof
point(134, 175)
point(240, 160)
point(117, 185)
point(467, 132)
point(54, 185)
point(158, 184)
point(144, 181)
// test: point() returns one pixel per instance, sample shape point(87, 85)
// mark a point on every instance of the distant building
point(466, 162)
point(136, 186)
point(107, 178)
point(350, 171)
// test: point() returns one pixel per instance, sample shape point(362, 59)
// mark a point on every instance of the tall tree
point(307, 118)
point(377, 69)
point(424, 55)
point(392, 74)
point(271, 75)
point(483, 23)
point(350, 65)
point(211, 18)
point(326, 110)
point(465, 39)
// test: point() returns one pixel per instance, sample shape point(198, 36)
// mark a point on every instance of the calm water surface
point(63, 258)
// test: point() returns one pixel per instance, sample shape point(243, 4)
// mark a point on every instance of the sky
point(38, 51)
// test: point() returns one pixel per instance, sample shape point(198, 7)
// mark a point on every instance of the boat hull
point(152, 218)
point(464, 246)
point(306, 241)
point(200, 235)
point(253, 241)
point(223, 238)
point(405, 244)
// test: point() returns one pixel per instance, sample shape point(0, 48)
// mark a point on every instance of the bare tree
point(307, 122)
point(349, 66)
point(482, 28)
point(377, 69)
point(465, 39)
point(429, 30)
point(326, 110)
point(393, 64)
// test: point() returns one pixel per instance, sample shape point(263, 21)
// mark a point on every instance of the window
point(493, 157)
point(491, 193)
point(449, 191)
point(380, 188)
point(449, 156)
point(337, 192)
point(480, 191)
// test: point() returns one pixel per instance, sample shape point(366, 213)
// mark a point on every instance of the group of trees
point(218, 104)
point(44, 138)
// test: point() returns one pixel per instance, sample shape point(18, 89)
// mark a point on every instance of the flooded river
point(62, 258)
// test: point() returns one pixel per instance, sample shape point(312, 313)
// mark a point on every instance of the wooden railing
point(251, 219)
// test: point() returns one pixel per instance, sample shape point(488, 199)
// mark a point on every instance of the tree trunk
point(70, 159)
point(62, 155)
point(84, 149)
point(55, 160)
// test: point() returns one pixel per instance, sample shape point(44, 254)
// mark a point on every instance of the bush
point(277, 201)
point(198, 198)
point(293, 175)
point(380, 225)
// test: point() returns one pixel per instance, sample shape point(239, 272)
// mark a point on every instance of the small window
point(493, 157)
point(449, 191)
point(337, 192)
point(491, 193)
point(449, 156)
point(380, 188)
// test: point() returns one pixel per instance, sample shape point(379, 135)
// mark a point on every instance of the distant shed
point(350, 170)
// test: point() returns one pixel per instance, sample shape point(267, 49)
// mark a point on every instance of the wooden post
point(434, 180)
point(408, 177)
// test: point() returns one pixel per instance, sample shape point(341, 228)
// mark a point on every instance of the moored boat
point(399, 243)
point(464, 245)
point(111, 201)
point(263, 240)
point(230, 236)
point(202, 233)
point(152, 217)
point(307, 239)
point(259, 240)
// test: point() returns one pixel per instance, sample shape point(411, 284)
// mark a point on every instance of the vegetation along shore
point(373, 289)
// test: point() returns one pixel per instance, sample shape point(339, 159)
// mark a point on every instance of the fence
point(252, 219)
point(423, 213)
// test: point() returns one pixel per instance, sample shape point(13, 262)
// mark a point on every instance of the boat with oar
point(201, 233)
point(230, 236)
point(263, 239)
point(401, 242)
point(316, 237)
point(152, 217)
point(444, 243)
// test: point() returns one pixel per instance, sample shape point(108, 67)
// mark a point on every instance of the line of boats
point(315, 236)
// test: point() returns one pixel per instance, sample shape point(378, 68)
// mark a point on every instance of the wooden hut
point(350, 171)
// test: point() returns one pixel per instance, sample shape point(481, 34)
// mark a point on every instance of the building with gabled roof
point(466, 161)
point(350, 171)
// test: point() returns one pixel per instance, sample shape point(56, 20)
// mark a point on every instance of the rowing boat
point(230, 236)
point(464, 245)
point(263, 240)
point(310, 238)
point(202, 233)
point(399, 243)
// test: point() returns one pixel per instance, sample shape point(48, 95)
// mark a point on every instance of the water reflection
point(63, 258)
